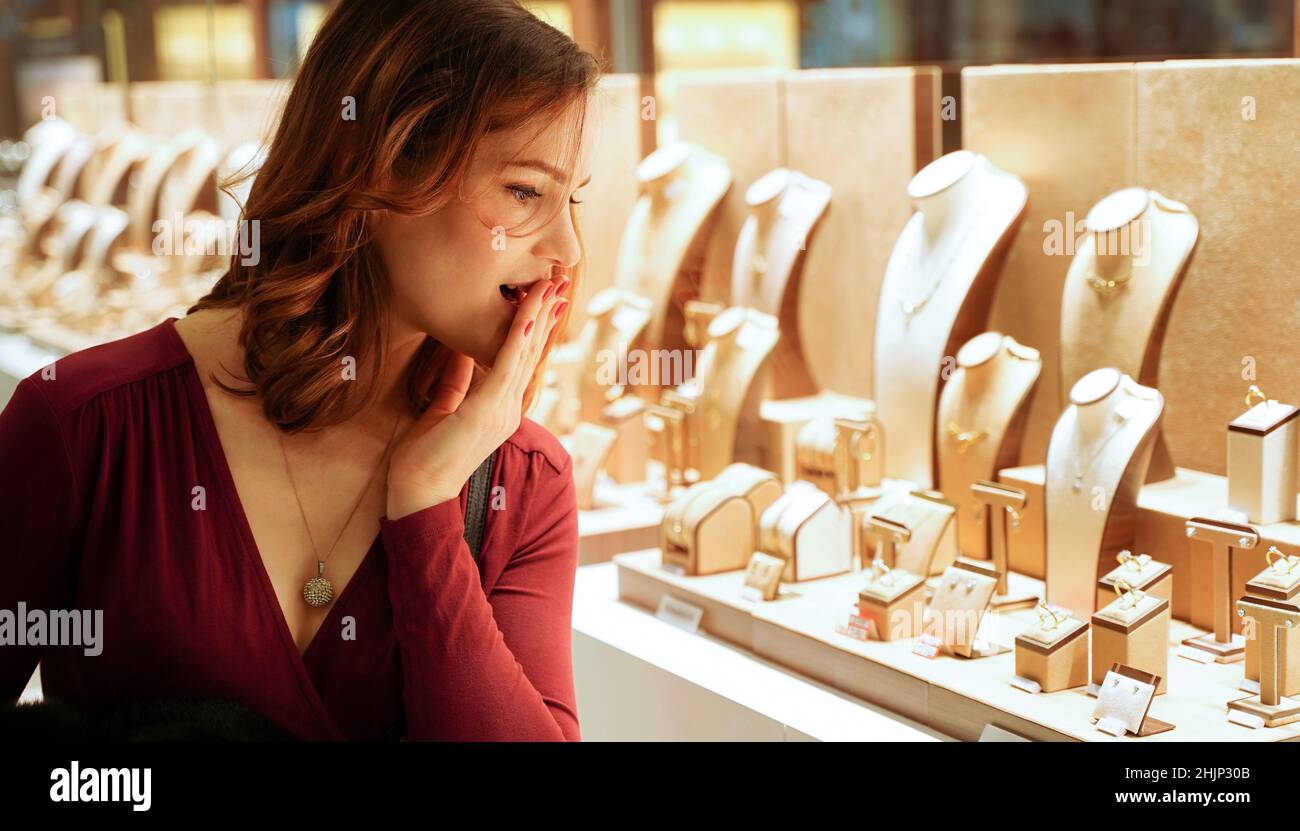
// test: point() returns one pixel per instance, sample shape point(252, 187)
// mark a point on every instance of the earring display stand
point(931, 546)
point(1002, 504)
point(784, 418)
point(1096, 462)
point(810, 531)
point(982, 415)
point(957, 609)
point(1124, 703)
point(1280, 581)
point(1271, 619)
point(936, 294)
point(682, 185)
point(1225, 645)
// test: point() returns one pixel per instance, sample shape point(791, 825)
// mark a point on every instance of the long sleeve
point(40, 518)
point(498, 666)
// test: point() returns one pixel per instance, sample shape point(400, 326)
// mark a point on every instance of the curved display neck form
point(1101, 400)
point(948, 197)
point(764, 198)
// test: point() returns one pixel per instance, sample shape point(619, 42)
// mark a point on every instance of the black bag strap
point(480, 485)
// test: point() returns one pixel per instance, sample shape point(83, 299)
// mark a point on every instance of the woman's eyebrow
point(550, 170)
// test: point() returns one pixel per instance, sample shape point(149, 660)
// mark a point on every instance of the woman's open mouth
point(514, 294)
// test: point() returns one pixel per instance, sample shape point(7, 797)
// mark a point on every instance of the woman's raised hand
point(436, 456)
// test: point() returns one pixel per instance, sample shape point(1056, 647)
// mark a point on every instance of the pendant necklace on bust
point(1081, 471)
point(318, 590)
point(912, 307)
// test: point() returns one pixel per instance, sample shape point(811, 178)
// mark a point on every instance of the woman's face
point(510, 226)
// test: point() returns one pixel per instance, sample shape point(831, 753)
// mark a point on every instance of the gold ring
point(1254, 396)
point(1056, 619)
point(1287, 560)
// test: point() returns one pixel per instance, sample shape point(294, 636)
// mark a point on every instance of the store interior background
point(48, 43)
point(165, 56)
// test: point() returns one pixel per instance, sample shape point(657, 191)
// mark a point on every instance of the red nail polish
point(549, 291)
point(559, 308)
point(563, 286)
point(528, 327)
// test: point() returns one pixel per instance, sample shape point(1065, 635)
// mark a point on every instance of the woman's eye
point(524, 193)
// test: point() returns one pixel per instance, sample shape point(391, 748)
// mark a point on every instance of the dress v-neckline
point(239, 518)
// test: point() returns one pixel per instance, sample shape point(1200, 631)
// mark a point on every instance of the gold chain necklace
point(1079, 471)
point(318, 590)
point(911, 308)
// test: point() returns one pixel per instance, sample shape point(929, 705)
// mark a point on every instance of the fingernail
point(563, 286)
point(559, 308)
point(528, 327)
point(549, 291)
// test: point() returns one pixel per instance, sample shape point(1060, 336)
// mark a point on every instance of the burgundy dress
point(98, 466)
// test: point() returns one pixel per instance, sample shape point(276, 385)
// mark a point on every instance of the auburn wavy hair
point(428, 80)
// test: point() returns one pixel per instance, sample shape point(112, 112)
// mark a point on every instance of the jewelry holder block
point(957, 609)
point(758, 486)
point(1054, 652)
point(840, 455)
point(1124, 702)
point(1132, 630)
point(707, 530)
point(809, 530)
point(931, 545)
point(893, 602)
point(784, 419)
point(1280, 581)
point(1224, 537)
point(1002, 504)
point(1140, 572)
point(1269, 619)
point(1262, 446)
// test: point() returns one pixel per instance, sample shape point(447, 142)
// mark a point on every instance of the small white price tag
point(679, 613)
point(927, 646)
point(1112, 725)
point(1022, 683)
point(1250, 720)
point(1200, 656)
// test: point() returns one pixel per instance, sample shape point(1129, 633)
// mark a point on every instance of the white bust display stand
point(1096, 462)
point(1120, 288)
point(936, 294)
point(681, 186)
point(784, 207)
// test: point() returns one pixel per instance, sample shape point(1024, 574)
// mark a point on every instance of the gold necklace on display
point(1104, 286)
point(1081, 472)
point(911, 308)
point(318, 590)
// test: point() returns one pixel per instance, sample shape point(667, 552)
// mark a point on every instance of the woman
point(319, 412)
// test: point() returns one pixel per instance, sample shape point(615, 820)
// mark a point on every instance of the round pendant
point(317, 591)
